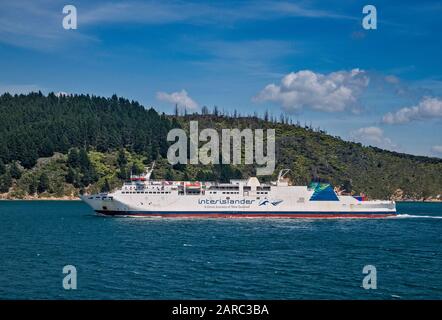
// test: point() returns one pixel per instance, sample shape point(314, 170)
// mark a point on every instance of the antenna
point(282, 174)
point(149, 171)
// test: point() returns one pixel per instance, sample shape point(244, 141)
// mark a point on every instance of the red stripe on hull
point(223, 215)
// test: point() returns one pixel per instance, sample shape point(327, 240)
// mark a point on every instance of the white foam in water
point(415, 216)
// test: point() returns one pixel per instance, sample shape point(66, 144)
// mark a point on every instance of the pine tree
point(266, 116)
point(122, 173)
point(15, 171)
point(169, 175)
point(70, 176)
point(43, 184)
point(122, 160)
point(106, 187)
point(32, 187)
point(83, 160)
point(73, 158)
point(136, 169)
point(2, 167)
point(5, 182)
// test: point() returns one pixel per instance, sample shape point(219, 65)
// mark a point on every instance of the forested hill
point(56, 146)
point(34, 126)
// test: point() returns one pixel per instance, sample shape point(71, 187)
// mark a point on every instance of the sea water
point(164, 258)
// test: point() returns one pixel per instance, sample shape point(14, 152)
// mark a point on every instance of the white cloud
point(427, 108)
point(38, 24)
point(436, 149)
point(257, 58)
point(373, 136)
point(333, 92)
point(164, 12)
point(180, 98)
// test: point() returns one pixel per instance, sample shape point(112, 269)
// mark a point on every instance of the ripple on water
point(157, 258)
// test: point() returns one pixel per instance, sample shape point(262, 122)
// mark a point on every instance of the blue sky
point(309, 59)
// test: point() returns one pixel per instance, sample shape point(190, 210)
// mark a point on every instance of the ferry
point(144, 197)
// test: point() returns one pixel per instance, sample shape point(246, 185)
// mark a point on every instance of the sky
point(311, 60)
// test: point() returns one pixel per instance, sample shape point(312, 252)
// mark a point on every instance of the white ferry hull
point(239, 198)
point(197, 206)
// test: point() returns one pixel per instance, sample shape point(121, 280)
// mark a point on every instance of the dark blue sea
point(145, 258)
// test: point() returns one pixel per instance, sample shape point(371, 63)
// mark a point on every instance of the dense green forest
point(34, 126)
point(59, 146)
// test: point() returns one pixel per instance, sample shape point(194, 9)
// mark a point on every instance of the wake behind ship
point(142, 196)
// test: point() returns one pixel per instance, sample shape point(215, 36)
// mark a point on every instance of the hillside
point(58, 146)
